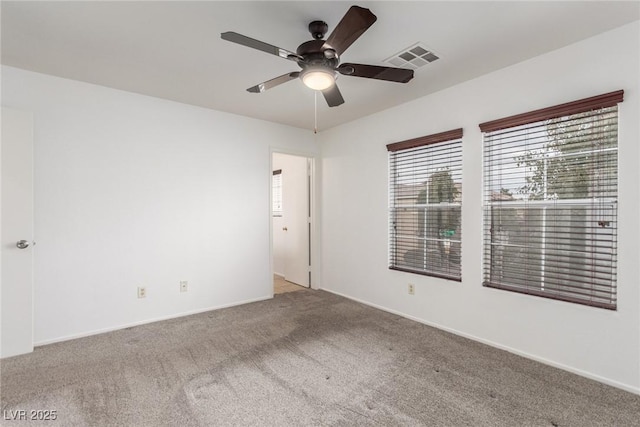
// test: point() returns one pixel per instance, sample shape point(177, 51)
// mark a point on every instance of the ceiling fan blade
point(399, 75)
point(354, 23)
point(257, 44)
point(333, 96)
point(261, 87)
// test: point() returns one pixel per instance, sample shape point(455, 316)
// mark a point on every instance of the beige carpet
point(302, 358)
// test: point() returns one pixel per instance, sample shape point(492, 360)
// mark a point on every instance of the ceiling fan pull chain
point(315, 111)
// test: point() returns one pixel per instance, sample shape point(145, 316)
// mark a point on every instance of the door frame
point(314, 192)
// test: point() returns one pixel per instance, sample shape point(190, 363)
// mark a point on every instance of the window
point(425, 190)
point(550, 201)
point(277, 192)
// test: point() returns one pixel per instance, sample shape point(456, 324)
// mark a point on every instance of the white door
point(292, 231)
point(16, 291)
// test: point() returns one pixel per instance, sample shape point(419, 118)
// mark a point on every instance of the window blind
point(425, 193)
point(550, 202)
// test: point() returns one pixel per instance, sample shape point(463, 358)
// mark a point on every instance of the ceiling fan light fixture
point(318, 78)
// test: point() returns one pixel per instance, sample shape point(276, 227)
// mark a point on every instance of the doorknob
point(23, 244)
point(284, 229)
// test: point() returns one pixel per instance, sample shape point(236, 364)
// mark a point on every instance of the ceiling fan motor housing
point(315, 56)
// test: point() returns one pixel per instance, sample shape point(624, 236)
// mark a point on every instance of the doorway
point(291, 222)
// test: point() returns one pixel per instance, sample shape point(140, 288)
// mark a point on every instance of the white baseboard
point(278, 274)
point(626, 387)
point(144, 322)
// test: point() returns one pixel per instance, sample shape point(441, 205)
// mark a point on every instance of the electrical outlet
point(142, 292)
point(184, 286)
point(412, 289)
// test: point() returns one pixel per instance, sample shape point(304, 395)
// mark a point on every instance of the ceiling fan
point(320, 59)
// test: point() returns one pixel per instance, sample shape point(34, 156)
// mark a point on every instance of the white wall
point(137, 191)
point(595, 342)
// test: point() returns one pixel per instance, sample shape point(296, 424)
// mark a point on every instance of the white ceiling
point(173, 50)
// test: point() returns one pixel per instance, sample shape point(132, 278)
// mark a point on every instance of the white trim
point(626, 387)
point(144, 322)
